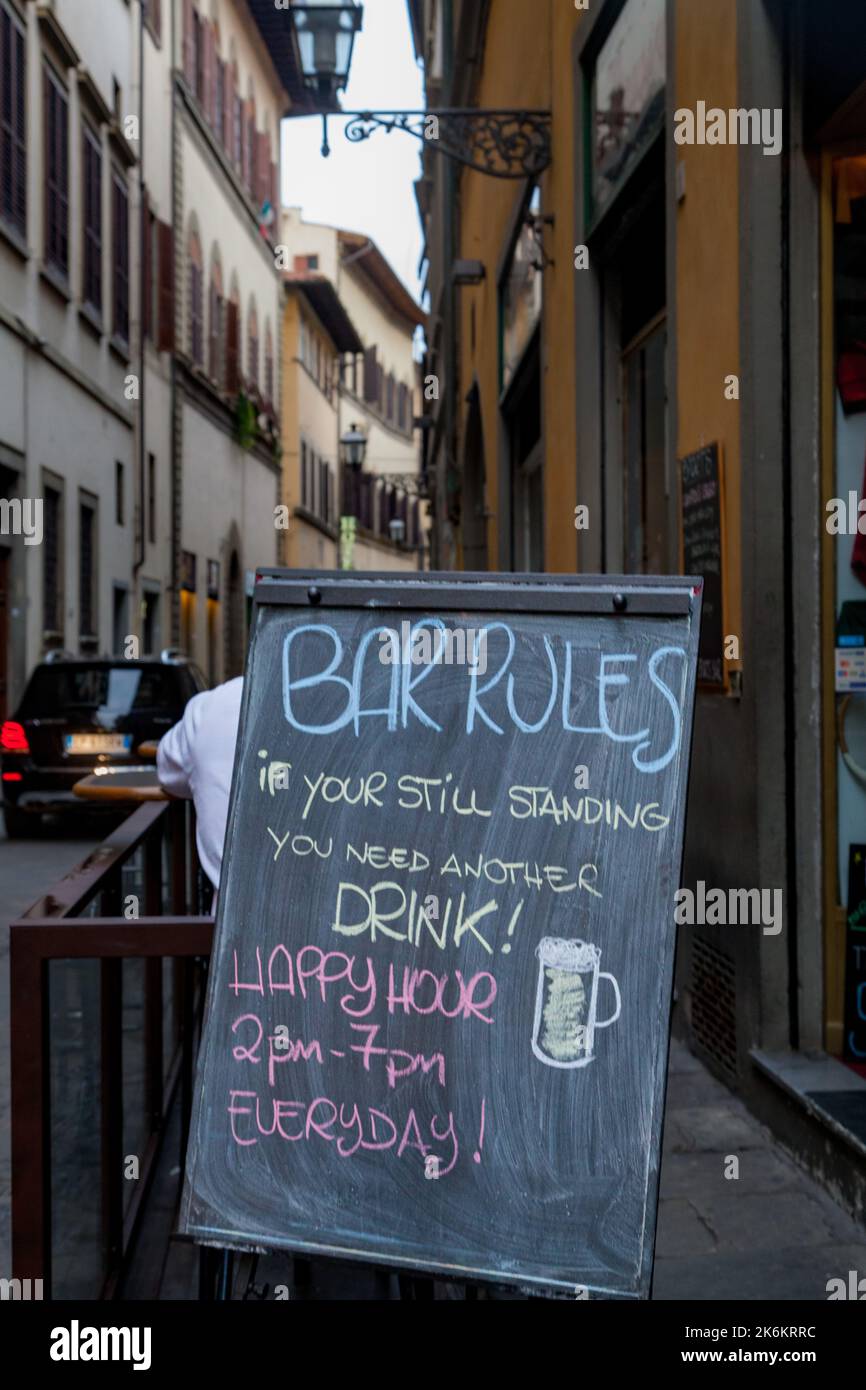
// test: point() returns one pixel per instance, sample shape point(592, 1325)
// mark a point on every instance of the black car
point(77, 715)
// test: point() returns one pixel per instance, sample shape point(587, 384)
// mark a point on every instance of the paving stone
point(787, 1274)
point(680, 1231)
point(694, 1174)
point(682, 1062)
point(713, 1129)
point(768, 1221)
point(688, 1089)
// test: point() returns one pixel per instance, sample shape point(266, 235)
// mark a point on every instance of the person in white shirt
point(195, 759)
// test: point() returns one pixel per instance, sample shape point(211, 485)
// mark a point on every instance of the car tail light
point(13, 738)
point(12, 777)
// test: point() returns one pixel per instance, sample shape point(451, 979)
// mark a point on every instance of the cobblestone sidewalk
point(771, 1233)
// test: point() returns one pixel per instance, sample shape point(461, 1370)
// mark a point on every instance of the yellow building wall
point(304, 411)
point(526, 62)
point(707, 274)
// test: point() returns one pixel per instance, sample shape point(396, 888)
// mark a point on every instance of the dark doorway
point(235, 616)
point(636, 284)
point(522, 416)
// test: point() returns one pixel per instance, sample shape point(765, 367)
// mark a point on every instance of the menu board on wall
point(855, 957)
point(702, 530)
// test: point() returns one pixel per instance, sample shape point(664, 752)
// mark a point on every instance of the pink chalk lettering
point(278, 1053)
point(379, 1143)
point(411, 1128)
point(292, 1110)
point(289, 982)
point(449, 1133)
point(415, 981)
point(369, 988)
point(237, 986)
point(413, 1062)
point(351, 1123)
point(321, 1128)
point(248, 1054)
point(367, 1049)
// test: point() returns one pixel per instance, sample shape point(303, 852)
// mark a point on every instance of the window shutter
point(188, 44)
point(232, 345)
point(63, 143)
point(209, 72)
point(120, 229)
point(147, 271)
point(250, 148)
point(236, 121)
point(227, 106)
point(56, 174)
point(165, 254)
point(196, 345)
point(13, 130)
point(92, 220)
point(371, 389)
point(20, 127)
point(263, 161)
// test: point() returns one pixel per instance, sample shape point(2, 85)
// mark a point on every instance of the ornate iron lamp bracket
point(505, 144)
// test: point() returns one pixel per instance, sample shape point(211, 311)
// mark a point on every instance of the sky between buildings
point(366, 187)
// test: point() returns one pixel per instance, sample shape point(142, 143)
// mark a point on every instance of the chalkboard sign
point(701, 508)
point(438, 1007)
point(855, 956)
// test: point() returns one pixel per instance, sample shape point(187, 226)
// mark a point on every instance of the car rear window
point(115, 690)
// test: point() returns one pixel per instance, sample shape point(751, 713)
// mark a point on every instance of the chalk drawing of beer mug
point(563, 1033)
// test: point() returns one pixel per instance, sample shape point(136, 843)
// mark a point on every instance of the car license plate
point(97, 743)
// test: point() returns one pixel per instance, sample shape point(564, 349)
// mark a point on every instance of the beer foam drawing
point(563, 1031)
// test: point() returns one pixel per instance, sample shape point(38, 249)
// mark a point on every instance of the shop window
point(52, 550)
point(521, 294)
point(92, 220)
point(13, 122)
point(87, 553)
point(120, 228)
point(624, 98)
point(187, 600)
point(56, 174)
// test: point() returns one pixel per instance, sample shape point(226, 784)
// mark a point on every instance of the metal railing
point(98, 1059)
point(376, 503)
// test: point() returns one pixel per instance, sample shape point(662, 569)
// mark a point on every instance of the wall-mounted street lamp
point(508, 144)
point(325, 34)
point(353, 448)
point(397, 529)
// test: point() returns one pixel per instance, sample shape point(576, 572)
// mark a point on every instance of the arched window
point(250, 140)
point(219, 80)
point(253, 348)
point(236, 111)
point(270, 384)
point(217, 326)
point(196, 296)
point(233, 340)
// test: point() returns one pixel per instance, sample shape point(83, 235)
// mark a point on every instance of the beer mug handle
point(599, 1023)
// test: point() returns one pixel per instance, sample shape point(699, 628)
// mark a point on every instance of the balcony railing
point(106, 980)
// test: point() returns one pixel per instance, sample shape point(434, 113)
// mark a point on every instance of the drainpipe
point(790, 704)
point(141, 548)
point(175, 445)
